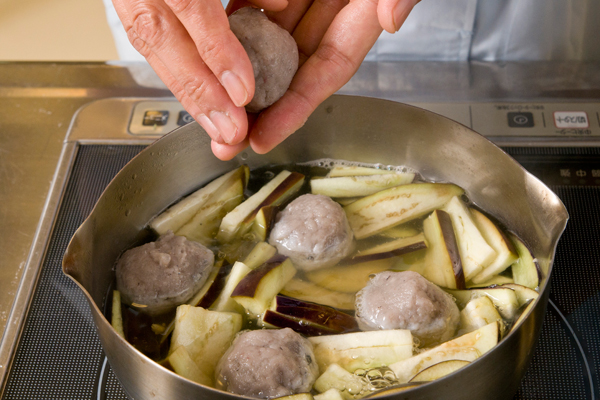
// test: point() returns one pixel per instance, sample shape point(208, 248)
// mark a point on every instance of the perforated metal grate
point(59, 355)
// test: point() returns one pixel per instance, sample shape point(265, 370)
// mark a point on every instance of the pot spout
point(76, 261)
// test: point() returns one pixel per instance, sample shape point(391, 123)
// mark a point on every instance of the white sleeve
point(125, 50)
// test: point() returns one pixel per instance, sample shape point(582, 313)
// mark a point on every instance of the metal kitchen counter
point(39, 100)
point(37, 103)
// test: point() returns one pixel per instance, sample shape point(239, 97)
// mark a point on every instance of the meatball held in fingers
point(272, 52)
point(406, 300)
point(313, 232)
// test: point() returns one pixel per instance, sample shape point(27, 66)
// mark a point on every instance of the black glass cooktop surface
point(59, 355)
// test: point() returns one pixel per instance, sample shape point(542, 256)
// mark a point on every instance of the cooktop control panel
point(157, 117)
point(562, 121)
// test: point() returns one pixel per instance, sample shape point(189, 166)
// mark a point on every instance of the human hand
point(189, 45)
point(333, 38)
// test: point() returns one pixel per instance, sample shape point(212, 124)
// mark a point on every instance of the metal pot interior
point(343, 128)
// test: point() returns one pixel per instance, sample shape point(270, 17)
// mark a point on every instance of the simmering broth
point(430, 239)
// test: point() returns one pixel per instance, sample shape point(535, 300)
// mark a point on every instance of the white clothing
point(487, 30)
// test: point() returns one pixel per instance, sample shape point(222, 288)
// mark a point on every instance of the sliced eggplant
point(349, 385)
point(503, 298)
point(206, 296)
point(216, 287)
point(467, 347)
point(224, 302)
point(380, 211)
point(366, 350)
point(273, 319)
point(265, 218)
point(348, 278)
point(506, 253)
point(260, 254)
point(297, 396)
point(362, 357)
point(278, 190)
point(182, 363)
point(439, 370)
point(331, 394)
point(443, 264)
point(315, 313)
point(400, 231)
point(521, 314)
point(523, 293)
point(258, 288)
point(308, 291)
point(478, 313)
point(355, 186)
point(475, 253)
point(389, 249)
point(206, 335)
point(180, 213)
point(206, 287)
point(495, 280)
point(525, 270)
point(354, 170)
point(204, 225)
point(387, 337)
point(116, 319)
point(344, 201)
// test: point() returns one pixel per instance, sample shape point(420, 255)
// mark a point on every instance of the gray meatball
point(313, 231)
point(406, 300)
point(272, 51)
point(160, 275)
point(268, 363)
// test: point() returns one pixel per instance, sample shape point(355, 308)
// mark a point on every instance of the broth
point(150, 335)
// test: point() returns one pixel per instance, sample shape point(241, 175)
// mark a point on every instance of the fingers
point(311, 29)
point(227, 152)
point(291, 15)
point(393, 13)
point(342, 49)
point(269, 5)
point(207, 25)
point(157, 33)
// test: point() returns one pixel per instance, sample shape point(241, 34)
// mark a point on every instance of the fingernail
point(227, 129)
point(235, 88)
point(209, 127)
point(400, 14)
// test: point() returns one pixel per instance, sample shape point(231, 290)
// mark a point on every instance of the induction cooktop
point(58, 355)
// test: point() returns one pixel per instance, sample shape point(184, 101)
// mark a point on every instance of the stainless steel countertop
point(39, 100)
point(37, 103)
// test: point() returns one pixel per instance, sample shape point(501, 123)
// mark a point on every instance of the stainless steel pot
point(348, 128)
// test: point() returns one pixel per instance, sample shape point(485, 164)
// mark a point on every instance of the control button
point(571, 119)
point(184, 118)
point(155, 117)
point(520, 119)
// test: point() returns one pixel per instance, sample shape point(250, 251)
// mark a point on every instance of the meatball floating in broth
point(406, 300)
point(313, 231)
point(267, 364)
point(283, 281)
point(158, 276)
point(272, 52)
